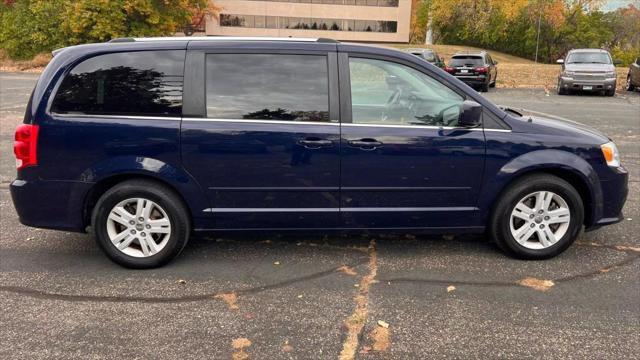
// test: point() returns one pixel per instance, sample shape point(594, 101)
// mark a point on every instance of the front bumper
point(569, 83)
point(615, 190)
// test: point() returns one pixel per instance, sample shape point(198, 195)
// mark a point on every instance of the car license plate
point(464, 71)
point(586, 87)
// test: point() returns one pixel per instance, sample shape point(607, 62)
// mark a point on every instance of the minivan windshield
point(466, 60)
point(589, 58)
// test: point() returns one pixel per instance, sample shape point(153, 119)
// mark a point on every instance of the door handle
point(367, 144)
point(314, 143)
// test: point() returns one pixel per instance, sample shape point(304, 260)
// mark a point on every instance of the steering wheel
point(397, 107)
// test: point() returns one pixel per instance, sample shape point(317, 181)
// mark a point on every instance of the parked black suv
point(633, 77)
point(475, 69)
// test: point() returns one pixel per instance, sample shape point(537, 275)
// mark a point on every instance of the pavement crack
point(590, 274)
point(356, 321)
point(41, 294)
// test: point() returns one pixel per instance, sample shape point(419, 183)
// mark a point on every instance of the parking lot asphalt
point(307, 296)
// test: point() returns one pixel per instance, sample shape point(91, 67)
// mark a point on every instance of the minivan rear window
point(144, 83)
point(267, 87)
point(466, 60)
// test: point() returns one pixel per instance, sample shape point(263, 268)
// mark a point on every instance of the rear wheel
point(629, 86)
point(485, 86)
point(140, 224)
point(538, 217)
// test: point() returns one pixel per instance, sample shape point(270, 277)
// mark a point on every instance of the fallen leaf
point(451, 288)
point(230, 298)
point(300, 296)
point(383, 324)
point(356, 285)
point(276, 263)
point(380, 337)
point(537, 284)
point(605, 270)
point(347, 270)
point(239, 345)
point(286, 347)
point(181, 282)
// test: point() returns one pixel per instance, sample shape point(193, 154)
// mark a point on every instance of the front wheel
point(560, 88)
point(538, 217)
point(140, 224)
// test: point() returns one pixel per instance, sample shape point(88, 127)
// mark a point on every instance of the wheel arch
point(564, 165)
point(102, 186)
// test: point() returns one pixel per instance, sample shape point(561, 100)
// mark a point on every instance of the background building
point(361, 20)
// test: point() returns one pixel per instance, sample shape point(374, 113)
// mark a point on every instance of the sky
point(614, 4)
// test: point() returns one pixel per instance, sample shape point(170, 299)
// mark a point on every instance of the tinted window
point(267, 87)
point(388, 93)
point(466, 61)
point(137, 83)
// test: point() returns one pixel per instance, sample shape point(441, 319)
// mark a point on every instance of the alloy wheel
point(539, 220)
point(138, 227)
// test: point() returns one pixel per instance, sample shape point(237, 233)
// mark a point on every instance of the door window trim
point(345, 91)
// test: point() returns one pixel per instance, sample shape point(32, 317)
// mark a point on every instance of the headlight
point(611, 154)
point(611, 74)
point(568, 73)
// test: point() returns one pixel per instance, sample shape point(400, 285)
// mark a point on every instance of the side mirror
point(617, 62)
point(560, 61)
point(470, 114)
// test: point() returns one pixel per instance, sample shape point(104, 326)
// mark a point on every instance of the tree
point(29, 27)
point(33, 26)
point(100, 20)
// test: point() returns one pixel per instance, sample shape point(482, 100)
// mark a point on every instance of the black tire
point(629, 86)
point(611, 92)
point(484, 87)
point(560, 88)
point(495, 80)
point(167, 199)
point(499, 227)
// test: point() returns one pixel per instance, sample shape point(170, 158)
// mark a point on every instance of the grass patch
point(36, 64)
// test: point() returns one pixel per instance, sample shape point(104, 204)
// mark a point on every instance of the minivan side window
point(389, 93)
point(144, 83)
point(267, 87)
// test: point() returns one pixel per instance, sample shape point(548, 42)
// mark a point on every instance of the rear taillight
point(481, 70)
point(449, 69)
point(25, 146)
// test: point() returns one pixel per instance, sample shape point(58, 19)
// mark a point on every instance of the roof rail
point(222, 38)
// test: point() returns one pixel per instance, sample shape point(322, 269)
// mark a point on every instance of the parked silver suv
point(587, 70)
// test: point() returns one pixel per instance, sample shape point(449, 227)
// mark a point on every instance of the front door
point(267, 151)
point(405, 162)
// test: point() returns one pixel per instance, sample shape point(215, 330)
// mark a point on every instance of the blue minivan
point(146, 141)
